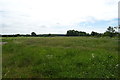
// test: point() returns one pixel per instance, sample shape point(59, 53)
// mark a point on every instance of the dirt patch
point(1, 43)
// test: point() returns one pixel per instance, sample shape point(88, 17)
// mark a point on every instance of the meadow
point(60, 57)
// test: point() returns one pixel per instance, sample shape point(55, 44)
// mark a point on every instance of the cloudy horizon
point(57, 16)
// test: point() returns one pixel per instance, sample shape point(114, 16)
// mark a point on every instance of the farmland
point(60, 57)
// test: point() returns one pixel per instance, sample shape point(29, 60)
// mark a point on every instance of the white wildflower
point(93, 55)
point(112, 75)
point(49, 56)
point(117, 65)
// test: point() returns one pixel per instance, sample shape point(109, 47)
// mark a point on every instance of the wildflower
point(49, 56)
point(112, 75)
point(117, 65)
point(93, 55)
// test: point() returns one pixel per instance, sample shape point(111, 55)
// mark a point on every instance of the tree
point(17, 35)
point(33, 34)
point(72, 33)
point(94, 33)
point(110, 31)
point(81, 33)
point(117, 29)
point(76, 33)
point(49, 34)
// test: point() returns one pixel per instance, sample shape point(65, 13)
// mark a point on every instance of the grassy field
point(60, 57)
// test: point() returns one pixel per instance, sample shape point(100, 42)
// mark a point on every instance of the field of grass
point(60, 57)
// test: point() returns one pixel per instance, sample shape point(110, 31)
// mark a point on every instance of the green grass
point(60, 57)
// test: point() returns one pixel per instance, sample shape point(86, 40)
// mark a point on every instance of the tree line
point(111, 32)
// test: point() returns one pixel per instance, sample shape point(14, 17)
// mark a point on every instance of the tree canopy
point(33, 34)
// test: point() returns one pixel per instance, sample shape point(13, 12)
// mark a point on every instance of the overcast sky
point(57, 16)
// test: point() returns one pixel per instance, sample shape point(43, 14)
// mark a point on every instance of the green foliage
point(94, 33)
point(76, 33)
point(33, 34)
point(110, 29)
point(111, 32)
point(60, 57)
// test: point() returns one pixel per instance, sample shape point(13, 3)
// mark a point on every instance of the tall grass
point(60, 57)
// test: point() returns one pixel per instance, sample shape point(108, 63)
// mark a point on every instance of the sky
point(57, 16)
